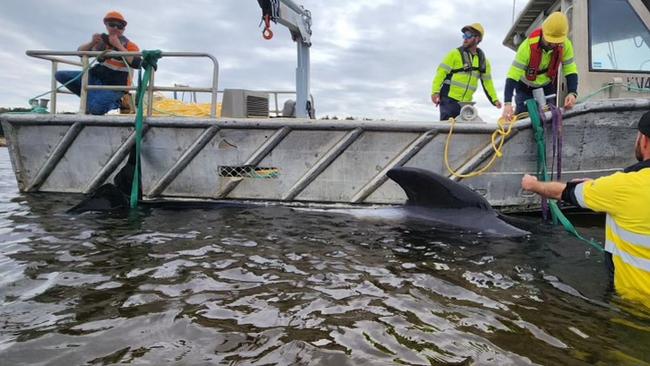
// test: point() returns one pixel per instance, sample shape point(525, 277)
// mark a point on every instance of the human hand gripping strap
point(542, 174)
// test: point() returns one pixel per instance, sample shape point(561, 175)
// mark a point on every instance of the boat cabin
point(610, 39)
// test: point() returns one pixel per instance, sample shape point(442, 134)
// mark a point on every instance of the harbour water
point(272, 285)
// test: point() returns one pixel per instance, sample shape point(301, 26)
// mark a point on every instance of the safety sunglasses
point(115, 25)
point(468, 35)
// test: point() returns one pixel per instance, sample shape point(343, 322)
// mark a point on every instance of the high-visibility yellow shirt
point(462, 85)
point(625, 197)
point(519, 66)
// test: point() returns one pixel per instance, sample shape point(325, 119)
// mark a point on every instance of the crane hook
point(267, 33)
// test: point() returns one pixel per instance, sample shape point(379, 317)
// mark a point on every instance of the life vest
point(468, 65)
point(536, 54)
point(115, 63)
point(467, 61)
point(461, 83)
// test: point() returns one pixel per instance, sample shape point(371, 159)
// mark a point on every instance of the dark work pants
point(524, 92)
point(449, 108)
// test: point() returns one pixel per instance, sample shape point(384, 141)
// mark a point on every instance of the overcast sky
point(370, 58)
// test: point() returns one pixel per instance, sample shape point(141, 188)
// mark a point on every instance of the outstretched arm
point(508, 109)
point(488, 86)
point(545, 189)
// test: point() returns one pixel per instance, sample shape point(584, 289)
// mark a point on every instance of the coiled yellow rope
point(504, 129)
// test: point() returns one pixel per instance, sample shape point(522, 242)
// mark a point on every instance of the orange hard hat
point(114, 15)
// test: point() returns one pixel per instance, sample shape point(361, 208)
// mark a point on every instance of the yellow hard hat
point(476, 27)
point(555, 28)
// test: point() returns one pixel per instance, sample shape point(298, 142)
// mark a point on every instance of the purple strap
point(546, 212)
point(554, 139)
point(556, 128)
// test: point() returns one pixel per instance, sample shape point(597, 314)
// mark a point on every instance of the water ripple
point(260, 286)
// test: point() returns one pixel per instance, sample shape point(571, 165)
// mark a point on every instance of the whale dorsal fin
point(428, 189)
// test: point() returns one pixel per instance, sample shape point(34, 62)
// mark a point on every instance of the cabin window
point(618, 38)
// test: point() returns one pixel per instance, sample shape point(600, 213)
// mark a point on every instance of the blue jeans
point(524, 92)
point(99, 101)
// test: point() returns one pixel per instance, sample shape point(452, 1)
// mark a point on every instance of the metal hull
point(337, 162)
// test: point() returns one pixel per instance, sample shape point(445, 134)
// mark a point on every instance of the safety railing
point(56, 57)
point(276, 97)
point(274, 105)
point(276, 94)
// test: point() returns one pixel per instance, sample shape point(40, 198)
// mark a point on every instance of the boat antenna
point(514, 2)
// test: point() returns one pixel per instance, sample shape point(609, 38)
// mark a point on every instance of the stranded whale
point(432, 199)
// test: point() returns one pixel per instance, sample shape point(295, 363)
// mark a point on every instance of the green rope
point(638, 90)
point(584, 99)
point(568, 226)
point(542, 174)
point(149, 63)
point(629, 87)
point(39, 109)
point(538, 131)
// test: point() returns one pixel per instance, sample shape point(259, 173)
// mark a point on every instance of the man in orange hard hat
point(108, 71)
point(457, 76)
point(537, 64)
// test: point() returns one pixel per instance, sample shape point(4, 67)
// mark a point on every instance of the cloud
point(370, 58)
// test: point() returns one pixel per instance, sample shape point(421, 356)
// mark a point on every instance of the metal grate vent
point(257, 106)
point(241, 103)
point(249, 171)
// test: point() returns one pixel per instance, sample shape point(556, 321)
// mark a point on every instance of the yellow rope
point(504, 129)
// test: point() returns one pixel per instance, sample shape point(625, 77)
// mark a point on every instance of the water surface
point(271, 285)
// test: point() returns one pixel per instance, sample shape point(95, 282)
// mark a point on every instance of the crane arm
point(298, 20)
point(291, 15)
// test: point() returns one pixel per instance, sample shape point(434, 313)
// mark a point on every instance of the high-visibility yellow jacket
point(519, 66)
point(625, 197)
point(462, 84)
